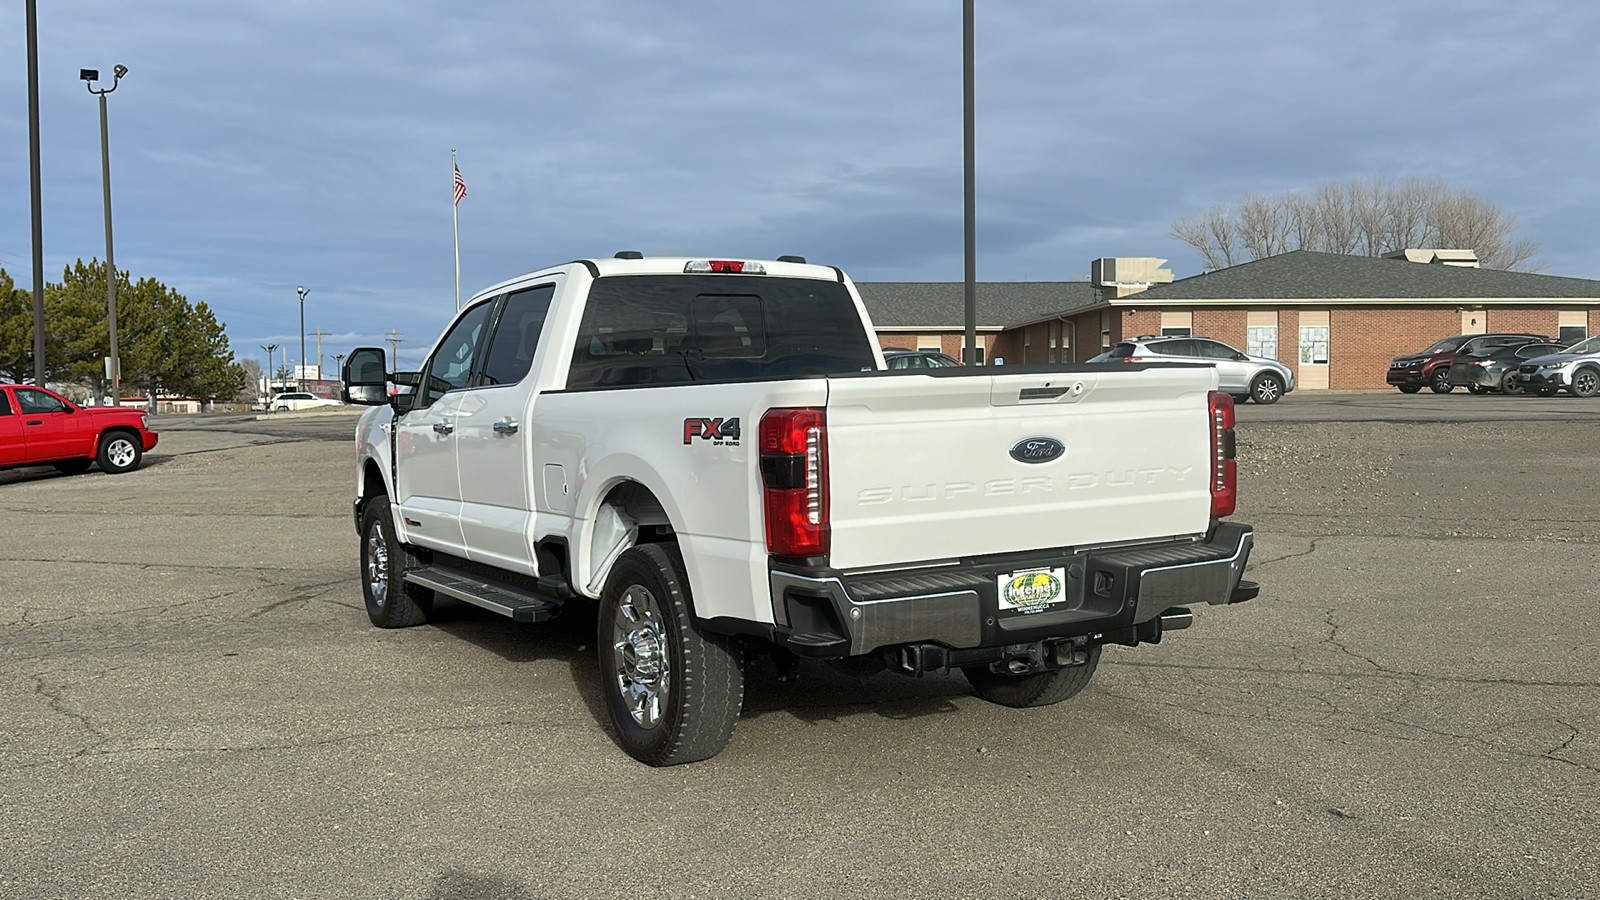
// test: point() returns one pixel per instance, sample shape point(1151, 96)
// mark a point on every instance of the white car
point(296, 401)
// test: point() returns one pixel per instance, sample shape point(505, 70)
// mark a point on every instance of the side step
point(518, 604)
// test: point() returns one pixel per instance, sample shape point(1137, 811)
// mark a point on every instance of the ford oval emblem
point(1037, 450)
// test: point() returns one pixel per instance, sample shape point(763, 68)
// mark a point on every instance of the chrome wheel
point(641, 657)
point(377, 566)
point(121, 452)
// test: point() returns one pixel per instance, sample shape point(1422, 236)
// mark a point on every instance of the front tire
point(1477, 389)
point(1267, 388)
point(1440, 382)
point(392, 602)
point(119, 452)
point(1037, 689)
point(1409, 388)
point(1510, 384)
point(673, 693)
point(1585, 383)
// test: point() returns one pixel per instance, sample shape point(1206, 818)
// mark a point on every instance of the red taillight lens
point(794, 477)
point(1224, 471)
point(1133, 359)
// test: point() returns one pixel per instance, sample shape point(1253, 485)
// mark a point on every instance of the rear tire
point(1510, 384)
point(1477, 389)
point(1240, 398)
point(673, 693)
point(1440, 382)
point(119, 452)
point(1037, 689)
point(391, 601)
point(1409, 388)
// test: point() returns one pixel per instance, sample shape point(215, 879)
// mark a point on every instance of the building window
point(1175, 331)
point(1262, 340)
point(929, 342)
point(1573, 327)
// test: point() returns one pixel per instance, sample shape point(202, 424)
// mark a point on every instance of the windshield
point(1592, 345)
point(1451, 344)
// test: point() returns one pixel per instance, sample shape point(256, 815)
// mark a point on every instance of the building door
point(1474, 321)
point(1314, 351)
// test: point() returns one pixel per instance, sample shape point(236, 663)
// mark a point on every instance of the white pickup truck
point(715, 452)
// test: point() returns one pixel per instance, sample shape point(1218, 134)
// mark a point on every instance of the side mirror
point(366, 376)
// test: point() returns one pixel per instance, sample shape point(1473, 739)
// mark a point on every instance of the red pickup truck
point(39, 427)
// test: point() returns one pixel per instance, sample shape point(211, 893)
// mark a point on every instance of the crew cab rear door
point(935, 467)
point(11, 441)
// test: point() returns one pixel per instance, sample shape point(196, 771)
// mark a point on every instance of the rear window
point(1122, 351)
point(1451, 344)
point(675, 329)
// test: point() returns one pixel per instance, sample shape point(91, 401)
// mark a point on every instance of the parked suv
point(1431, 368)
point(298, 400)
point(1576, 368)
point(1245, 377)
point(1489, 369)
point(919, 359)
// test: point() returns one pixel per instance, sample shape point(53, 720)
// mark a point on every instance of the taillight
point(794, 478)
point(1224, 471)
point(1133, 359)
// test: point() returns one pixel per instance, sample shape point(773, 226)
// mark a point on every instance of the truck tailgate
point(920, 467)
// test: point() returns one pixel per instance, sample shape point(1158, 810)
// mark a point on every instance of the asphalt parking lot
point(192, 703)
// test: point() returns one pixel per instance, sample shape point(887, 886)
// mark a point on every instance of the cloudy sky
point(258, 145)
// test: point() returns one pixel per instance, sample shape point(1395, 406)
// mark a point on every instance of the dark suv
point(1431, 368)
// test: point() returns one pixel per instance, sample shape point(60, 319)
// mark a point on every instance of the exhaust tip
point(1176, 619)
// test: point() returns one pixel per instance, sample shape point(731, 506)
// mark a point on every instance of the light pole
point(90, 76)
point(299, 371)
point(266, 374)
point(338, 367)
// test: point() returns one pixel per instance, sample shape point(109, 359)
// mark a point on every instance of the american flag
point(461, 186)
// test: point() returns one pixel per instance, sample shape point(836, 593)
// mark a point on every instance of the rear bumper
point(1116, 594)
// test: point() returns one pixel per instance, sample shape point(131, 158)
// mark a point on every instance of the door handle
point(505, 427)
point(443, 427)
point(34, 422)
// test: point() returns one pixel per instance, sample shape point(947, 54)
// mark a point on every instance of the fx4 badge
point(720, 432)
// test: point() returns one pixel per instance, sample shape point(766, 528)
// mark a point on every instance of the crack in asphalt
point(1259, 564)
point(1333, 638)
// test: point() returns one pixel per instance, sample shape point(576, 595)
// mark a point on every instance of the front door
point(11, 441)
point(50, 428)
point(492, 439)
point(428, 488)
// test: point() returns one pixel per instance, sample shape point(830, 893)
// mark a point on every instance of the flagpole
point(455, 224)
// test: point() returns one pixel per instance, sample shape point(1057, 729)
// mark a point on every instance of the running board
point(513, 602)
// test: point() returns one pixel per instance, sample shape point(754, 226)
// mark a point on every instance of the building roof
point(941, 305)
point(1309, 275)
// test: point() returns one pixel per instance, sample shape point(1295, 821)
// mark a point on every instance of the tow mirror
point(366, 376)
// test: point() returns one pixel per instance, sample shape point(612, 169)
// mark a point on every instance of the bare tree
point(1369, 217)
point(1214, 234)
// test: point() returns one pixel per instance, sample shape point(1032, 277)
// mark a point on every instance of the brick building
point(1336, 319)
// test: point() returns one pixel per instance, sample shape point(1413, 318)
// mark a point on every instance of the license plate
point(1031, 590)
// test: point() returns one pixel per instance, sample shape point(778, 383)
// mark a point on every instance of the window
point(516, 338)
point(674, 329)
point(37, 401)
point(1529, 351)
point(1173, 348)
point(1175, 331)
point(1571, 334)
point(451, 363)
point(1572, 326)
point(1262, 341)
point(5, 404)
point(1214, 350)
point(930, 342)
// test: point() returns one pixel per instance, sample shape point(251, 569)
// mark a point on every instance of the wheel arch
point(625, 511)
